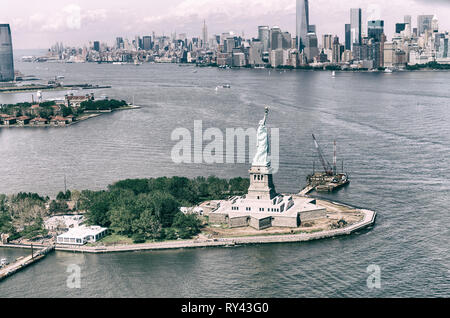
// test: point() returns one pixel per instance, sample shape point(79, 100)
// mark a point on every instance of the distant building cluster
point(364, 47)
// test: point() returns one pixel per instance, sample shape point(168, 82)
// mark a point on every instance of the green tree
point(188, 225)
point(66, 111)
point(148, 225)
point(122, 220)
point(97, 205)
point(165, 207)
point(6, 225)
point(34, 230)
point(217, 187)
point(46, 113)
point(138, 186)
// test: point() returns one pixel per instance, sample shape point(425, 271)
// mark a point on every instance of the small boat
point(333, 74)
point(4, 262)
point(388, 70)
point(226, 86)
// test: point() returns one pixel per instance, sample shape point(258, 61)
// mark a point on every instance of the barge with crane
point(328, 180)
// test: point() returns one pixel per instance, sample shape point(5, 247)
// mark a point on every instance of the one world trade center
point(302, 23)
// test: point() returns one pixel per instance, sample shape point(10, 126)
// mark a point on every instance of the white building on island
point(263, 207)
point(82, 235)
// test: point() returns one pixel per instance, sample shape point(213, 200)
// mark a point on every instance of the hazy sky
point(39, 24)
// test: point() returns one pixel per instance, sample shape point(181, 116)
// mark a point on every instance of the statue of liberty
point(262, 138)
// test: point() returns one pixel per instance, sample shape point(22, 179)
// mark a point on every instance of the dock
point(306, 190)
point(22, 263)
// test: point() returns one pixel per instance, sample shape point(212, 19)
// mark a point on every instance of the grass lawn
point(116, 239)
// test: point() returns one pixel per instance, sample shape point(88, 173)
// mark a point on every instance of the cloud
point(236, 9)
point(79, 21)
point(434, 1)
point(72, 16)
point(69, 18)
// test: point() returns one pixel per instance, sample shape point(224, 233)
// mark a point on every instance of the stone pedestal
point(261, 184)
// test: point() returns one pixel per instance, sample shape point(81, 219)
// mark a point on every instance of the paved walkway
point(369, 219)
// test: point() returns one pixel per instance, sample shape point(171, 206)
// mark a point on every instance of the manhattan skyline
point(78, 22)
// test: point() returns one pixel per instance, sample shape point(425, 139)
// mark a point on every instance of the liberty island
point(258, 217)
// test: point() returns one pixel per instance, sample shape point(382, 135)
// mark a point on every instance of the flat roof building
point(82, 235)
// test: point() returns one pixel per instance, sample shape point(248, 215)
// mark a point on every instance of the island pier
point(24, 262)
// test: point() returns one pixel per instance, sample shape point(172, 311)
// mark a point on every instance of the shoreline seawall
point(367, 221)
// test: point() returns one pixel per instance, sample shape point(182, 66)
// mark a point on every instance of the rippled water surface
point(392, 130)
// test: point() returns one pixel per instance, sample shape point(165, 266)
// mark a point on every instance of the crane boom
point(326, 165)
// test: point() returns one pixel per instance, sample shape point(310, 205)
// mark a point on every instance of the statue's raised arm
point(266, 114)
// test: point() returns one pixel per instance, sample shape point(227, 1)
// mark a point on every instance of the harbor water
point(392, 132)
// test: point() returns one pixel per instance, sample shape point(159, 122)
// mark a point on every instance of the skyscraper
point(276, 38)
point(348, 36)
point(264, 37)
point(6, 54)
point(147, 43)
point(286, 40)
point(119, 43)
point(375, 29)
point(407, 20)
point(97, 46)
point(311, 47)
point(205, 35)
point(302, 23)
point(355, 22)
point(399, 27)
point(337, 50)
point(424, 23)
point(327, 41)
